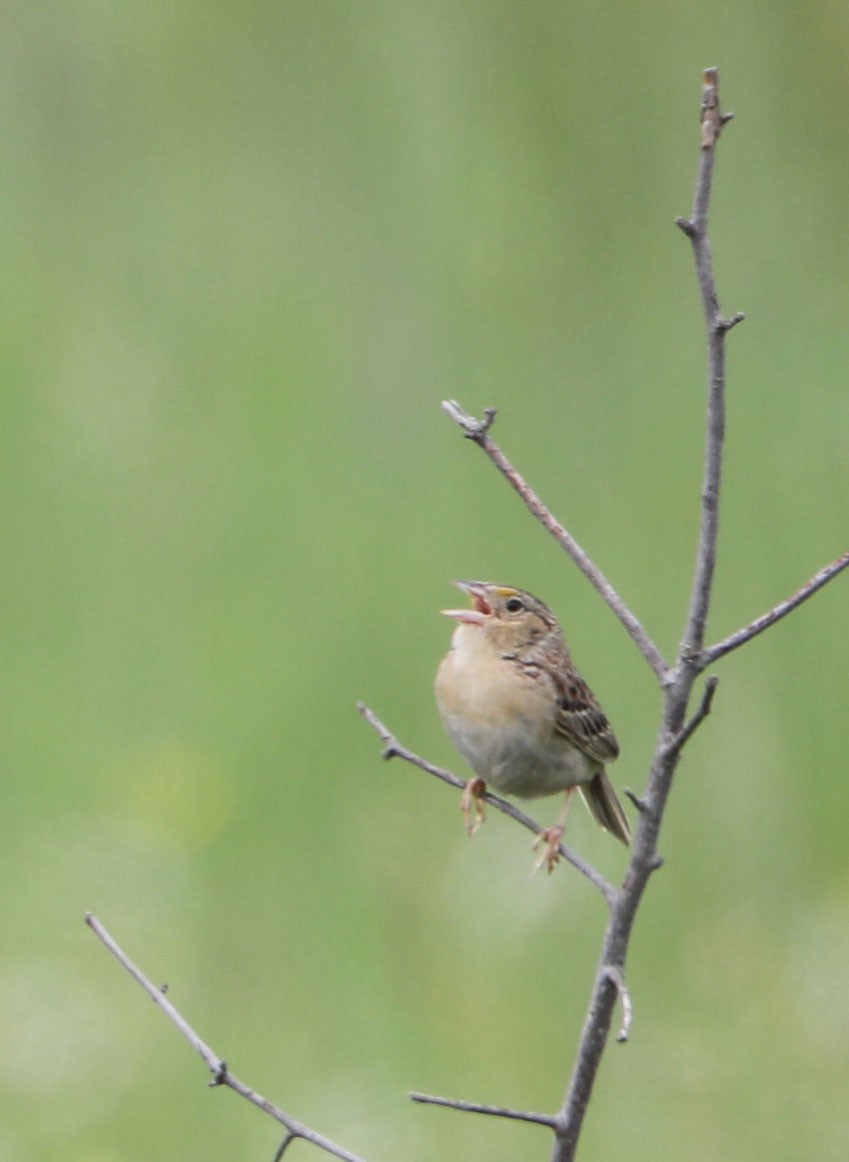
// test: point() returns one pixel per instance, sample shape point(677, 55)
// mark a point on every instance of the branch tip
point(473, 1107)
point(726, 325)
point(638, 802)
point(473, 429)
point(712, 118)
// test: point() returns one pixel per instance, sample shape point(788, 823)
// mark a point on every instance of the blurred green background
point(247, 249)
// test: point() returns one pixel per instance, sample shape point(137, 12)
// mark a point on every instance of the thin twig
point(395, 749)
point(472, 1107)
point(221, 1075)
point(616, 974)
point(478, 431)
point(735, 640)
point(677, 744)
point(638, 801)
point(284, 1146)
point(392, 749)
point(717, 327)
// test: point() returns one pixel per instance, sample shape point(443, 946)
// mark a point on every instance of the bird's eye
point(514, 605)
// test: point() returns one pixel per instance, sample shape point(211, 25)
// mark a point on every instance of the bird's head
point(510, 618)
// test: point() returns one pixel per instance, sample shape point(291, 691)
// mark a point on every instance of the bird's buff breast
point(501, 719)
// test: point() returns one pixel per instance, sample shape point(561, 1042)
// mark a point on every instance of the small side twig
point(735, 640)
point(394, 749)
point(221, 1075)
point(680, 740)
point(472, 1107)
point(284, 1146)
point(638, 801)
point(614, 973)
point(478, 431)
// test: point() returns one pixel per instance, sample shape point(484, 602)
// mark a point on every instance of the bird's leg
point(552, 837)
point(472, 804)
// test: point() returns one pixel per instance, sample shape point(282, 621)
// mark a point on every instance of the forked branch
point(221, 1075)
point(744, 635)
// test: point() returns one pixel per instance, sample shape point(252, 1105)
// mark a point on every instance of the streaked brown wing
point(581, 720)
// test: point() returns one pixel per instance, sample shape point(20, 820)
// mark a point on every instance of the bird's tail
point(605, 808)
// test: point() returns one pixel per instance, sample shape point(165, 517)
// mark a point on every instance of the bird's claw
point(550, 857)
point(472, 804)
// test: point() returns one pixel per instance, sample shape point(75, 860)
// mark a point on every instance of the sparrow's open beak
point(482, 609)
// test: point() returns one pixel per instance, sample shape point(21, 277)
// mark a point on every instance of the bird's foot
point(550, 857)
point(472, 804)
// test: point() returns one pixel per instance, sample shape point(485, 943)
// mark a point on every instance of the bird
point(521, 715)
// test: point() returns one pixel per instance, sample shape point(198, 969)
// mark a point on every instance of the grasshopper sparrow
point(520, 713)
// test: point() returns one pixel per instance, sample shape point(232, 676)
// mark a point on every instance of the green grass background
point(247, 248)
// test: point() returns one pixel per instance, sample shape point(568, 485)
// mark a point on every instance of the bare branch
point(677, 744)
point(471, 1107)
point(610, 981)
point(221, 1075)
point(394, 749)
point(735, 640)
point(478, 431)
point(594, 1037)
point(216, 1066)
point(717, 327)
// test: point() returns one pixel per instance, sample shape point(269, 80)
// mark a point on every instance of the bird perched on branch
point(520, 713)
